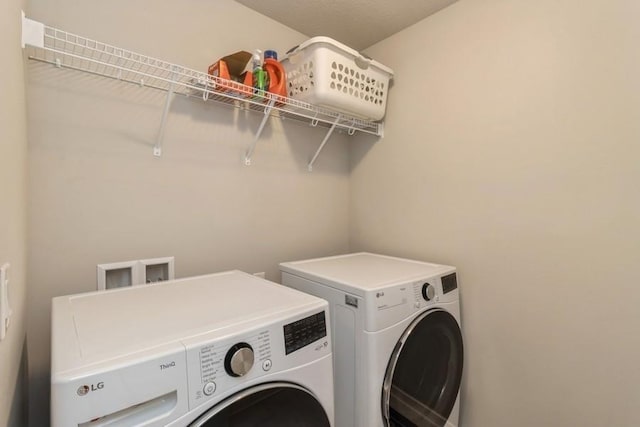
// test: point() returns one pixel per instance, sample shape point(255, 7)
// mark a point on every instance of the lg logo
point(84, 389)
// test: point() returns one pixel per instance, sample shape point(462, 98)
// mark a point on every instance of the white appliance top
point(97, 327)
point(363, 271)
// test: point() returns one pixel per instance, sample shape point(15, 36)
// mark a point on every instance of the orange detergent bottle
point(276, 75)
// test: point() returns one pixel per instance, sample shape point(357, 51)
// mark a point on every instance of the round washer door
point(267, 405)
point(423, 376)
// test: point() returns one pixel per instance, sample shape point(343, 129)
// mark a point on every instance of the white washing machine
point(397, 341)
point(228, 349)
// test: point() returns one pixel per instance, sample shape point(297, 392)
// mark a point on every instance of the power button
point(209, 388)
point(266, 365)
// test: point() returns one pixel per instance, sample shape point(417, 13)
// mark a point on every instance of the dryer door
point(267, 405)
point(423, 376)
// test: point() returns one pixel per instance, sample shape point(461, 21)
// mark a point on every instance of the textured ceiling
point(356, 23)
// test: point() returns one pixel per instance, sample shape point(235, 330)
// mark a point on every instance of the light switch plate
point(5, 308)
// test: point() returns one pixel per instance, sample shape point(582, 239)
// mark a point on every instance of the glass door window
point(424, 373)
point(267, 405)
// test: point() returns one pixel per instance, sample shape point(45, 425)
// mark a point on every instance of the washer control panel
point(215, 366)
point(225, 360)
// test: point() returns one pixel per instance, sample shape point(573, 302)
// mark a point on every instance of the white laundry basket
point(323, 71)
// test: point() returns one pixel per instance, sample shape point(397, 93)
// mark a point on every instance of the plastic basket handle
point(293, 55)
point(363, 61)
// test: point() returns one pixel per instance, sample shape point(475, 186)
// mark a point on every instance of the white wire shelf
point(66, 50)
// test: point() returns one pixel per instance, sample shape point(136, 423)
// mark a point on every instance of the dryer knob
point(428, 291)
point(239, 360)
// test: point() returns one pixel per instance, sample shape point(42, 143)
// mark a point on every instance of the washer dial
point(239, 359)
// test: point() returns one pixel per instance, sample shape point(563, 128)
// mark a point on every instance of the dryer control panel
point(390, 305)
point(435, 289)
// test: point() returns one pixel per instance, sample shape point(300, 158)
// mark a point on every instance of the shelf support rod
point(267, 111)
point(324, 141)
point(157, 148)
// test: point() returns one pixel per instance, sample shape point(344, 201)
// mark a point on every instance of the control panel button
point(209, 388)
point(266, 365)
point(239, 359)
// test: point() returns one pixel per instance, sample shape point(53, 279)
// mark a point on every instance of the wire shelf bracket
point(69, 51)
point(267, 112)
point(324, 141)
point(157, 148)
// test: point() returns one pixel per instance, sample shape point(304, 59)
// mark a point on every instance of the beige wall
point(98, 195)
point(512, 151)
point(13, 187)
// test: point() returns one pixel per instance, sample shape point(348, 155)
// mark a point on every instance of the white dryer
point(228, 349)
point(397, 340)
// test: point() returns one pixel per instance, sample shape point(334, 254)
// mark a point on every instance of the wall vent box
point(131, 273)
point(157, 270)
point(118, 275)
